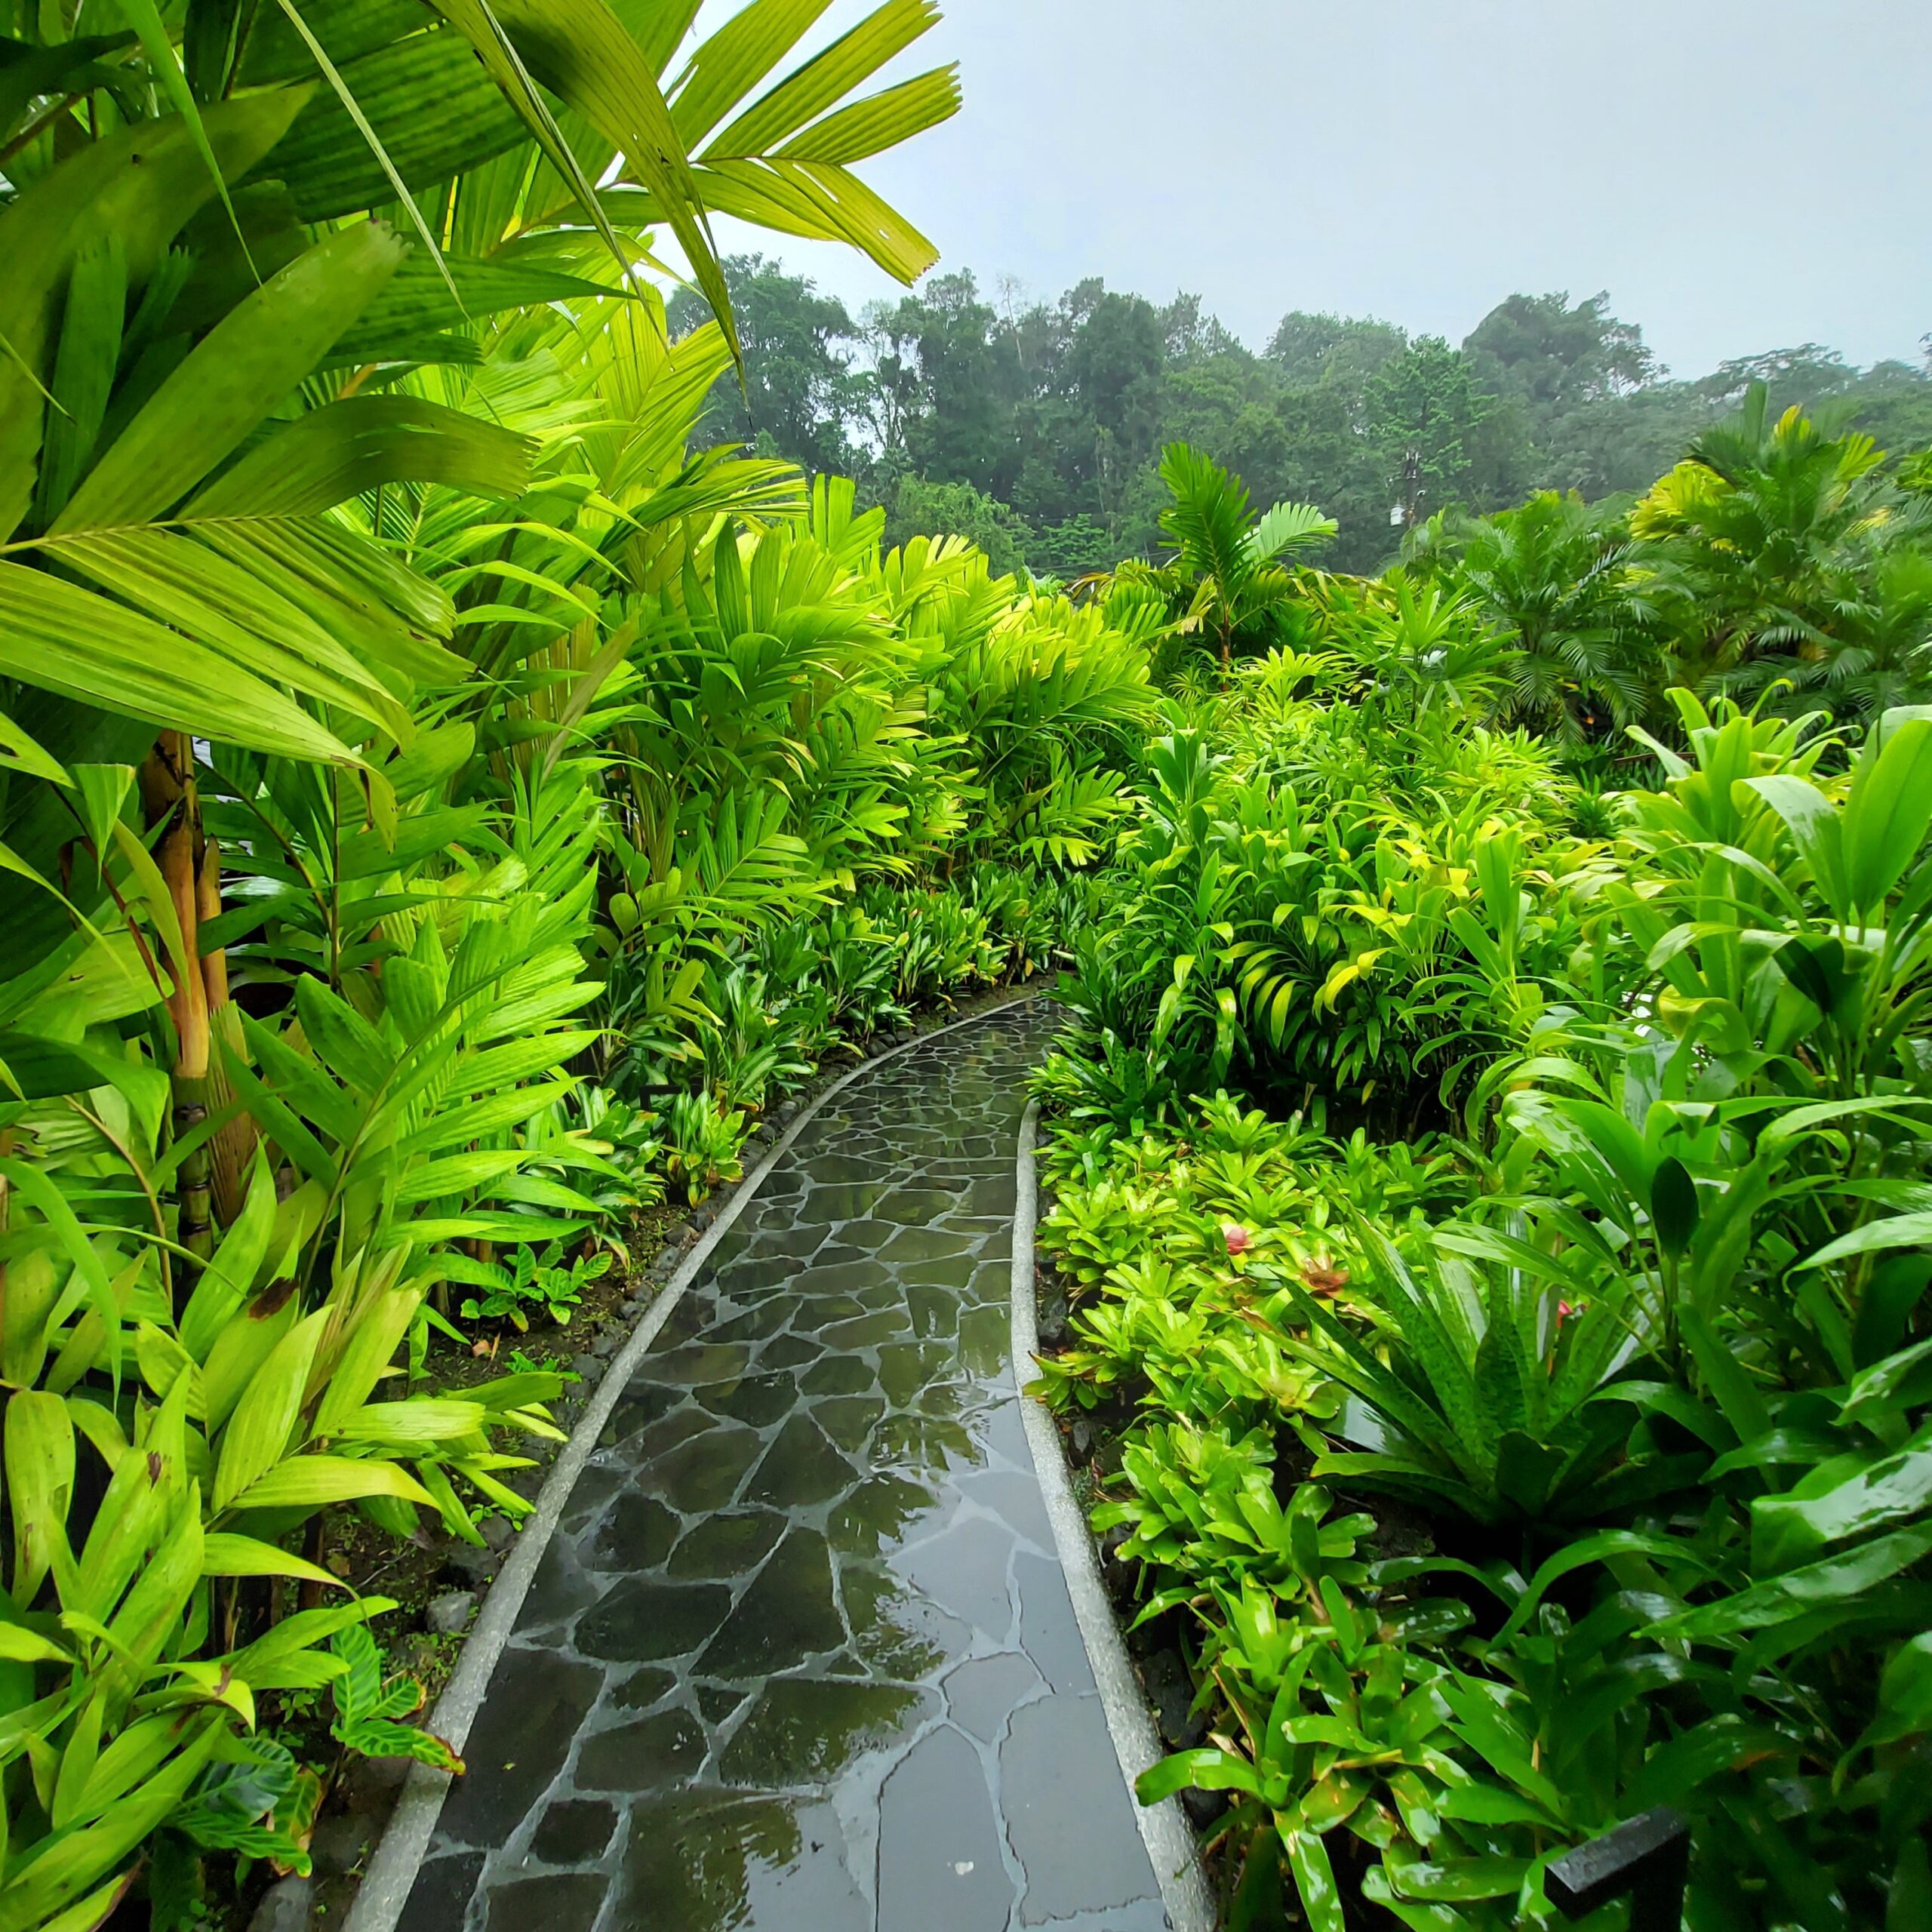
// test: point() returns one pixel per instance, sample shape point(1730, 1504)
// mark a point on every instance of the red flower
point(1238, 1240)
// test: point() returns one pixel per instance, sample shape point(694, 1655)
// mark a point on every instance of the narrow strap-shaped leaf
point(725, 68)
point(822, 202)
point(142, 185)
point(144, 16)
point(61, 637)
point(332, 75)
point(504, 60)
point(231, 611)
point(579, 50)
point(826, 78)
point(869, 127)
point(84, 368)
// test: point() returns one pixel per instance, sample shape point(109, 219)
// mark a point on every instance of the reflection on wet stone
point(1058, 1775)
point(804, 1730)
point(641, 1621)
point(574, 1831)
point(800, 1658)
point(637, 1534)
point(785, 1618)
point(648, 1756)
point(727, 1544)
point(442, 1892)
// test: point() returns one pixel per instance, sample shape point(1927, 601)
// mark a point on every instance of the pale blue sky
point(1741, 175)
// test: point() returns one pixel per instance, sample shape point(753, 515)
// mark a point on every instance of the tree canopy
point(1057, 412)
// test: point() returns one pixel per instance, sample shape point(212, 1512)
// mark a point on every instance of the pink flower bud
point(1238, 1240)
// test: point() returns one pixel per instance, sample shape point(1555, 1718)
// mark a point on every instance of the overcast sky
point(1741, 175)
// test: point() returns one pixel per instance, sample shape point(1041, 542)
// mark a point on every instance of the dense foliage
point(447, 800)
point(1496, 1206)
point(1042, 424)
point(444, 807)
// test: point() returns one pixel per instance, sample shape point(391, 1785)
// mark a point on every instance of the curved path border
point(1164, 1827)
point(384, 1896)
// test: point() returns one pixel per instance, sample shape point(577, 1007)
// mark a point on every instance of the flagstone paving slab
point(801, 1657)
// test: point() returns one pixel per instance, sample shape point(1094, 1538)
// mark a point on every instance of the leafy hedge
point(1527, 1412)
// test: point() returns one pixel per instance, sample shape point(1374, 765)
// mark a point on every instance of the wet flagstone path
point(801, 1657)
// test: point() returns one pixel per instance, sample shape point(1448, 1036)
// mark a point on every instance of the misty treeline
point(1037, 428)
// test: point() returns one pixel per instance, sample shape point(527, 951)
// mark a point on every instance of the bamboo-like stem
point(232, 1152)
point(169, 800)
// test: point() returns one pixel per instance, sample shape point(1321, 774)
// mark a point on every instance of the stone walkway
point(801, 1657)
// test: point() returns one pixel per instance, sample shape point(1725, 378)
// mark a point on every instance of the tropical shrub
point(346, 561)
point(1622, 1389)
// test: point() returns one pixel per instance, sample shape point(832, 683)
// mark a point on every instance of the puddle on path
point(799, 1657)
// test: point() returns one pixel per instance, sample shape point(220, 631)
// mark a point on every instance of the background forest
point(1036, 427)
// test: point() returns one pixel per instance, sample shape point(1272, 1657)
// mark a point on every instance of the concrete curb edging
point(384, 1893)
point(1164, 1827)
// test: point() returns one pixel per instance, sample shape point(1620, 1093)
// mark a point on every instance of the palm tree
point(1225, 581)
point(203, 333)
point(1754, 543)
point(235, 717)
point(1555, 575)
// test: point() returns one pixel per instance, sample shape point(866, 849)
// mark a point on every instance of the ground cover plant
point(1489, 1176)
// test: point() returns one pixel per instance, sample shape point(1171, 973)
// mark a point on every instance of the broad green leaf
point(245, 1344)
point(84, 368)
point(18, 1645)
point(230, 1277)
point(1788, 1530)
point(233, 379)
point(1315, 1881)
point(1779, 1599)
point(416, 304)
point(1901, 1231)
point(1889, 809)
point(725, 67)
point(820, 201)
point(433, 108)
point(65, 1868)
point(1813, 822)
point(378, 1334)
point(1905, 1694)
point(258, 1433)
point(149, 1617)
point(1201, 1770)
point(142, 185)
point(224, 1554)
point(65, 639)
point(371, 140)
point(164, 66)
point(415, 1424)
point(310, 1482)
point(40, 1486)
